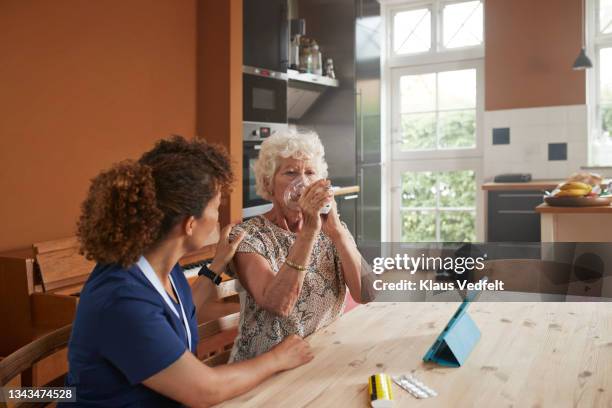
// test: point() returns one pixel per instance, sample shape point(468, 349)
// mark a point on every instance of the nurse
point(135, 331)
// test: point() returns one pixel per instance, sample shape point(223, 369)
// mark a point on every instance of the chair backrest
point(218, 325)
point(528, 275)
point(61, 265)
point(23, 359)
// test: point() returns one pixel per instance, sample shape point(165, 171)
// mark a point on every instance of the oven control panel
point(255, 131)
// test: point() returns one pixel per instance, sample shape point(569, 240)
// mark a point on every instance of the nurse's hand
point(226, 249)
point(292, 352)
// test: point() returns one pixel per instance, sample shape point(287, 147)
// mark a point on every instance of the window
point(415, 29)
point(601, 83)
point(438, 110)
point(605, 16)
point(605, 90)
point(462, 24)
point(438, 206)
point(434, 79)
point(412, 31)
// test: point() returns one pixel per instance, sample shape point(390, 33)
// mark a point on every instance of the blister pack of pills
point(415, 387)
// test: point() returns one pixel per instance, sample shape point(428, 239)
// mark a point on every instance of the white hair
point(292, 143)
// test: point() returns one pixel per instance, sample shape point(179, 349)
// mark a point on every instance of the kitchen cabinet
point(368, 34)
point(511, 216)
point(368, 208)
point(332, 24)
point(266, 34)
point(575, 224)
point(347, 117)
point(347, 210)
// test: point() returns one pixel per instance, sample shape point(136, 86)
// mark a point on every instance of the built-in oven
point(253, 136)
point(264, 96)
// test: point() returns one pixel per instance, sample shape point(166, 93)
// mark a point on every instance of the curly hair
point(134, 204)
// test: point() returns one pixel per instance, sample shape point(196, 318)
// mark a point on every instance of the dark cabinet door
point(368, 34)
point(347, 209)
point(265, 34)
point(512, 216)
point(368, 210)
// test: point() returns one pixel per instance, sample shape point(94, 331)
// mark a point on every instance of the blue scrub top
point(124, 333)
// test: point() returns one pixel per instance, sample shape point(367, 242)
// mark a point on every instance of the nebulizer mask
point(294, 191)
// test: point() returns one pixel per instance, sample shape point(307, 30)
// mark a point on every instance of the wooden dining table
point(529, 355)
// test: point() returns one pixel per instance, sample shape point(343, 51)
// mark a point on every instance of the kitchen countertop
point(346, 190)
point(548, 209)
point(529, 185)
point(530, 354)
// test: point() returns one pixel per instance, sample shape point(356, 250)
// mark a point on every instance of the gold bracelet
point(300, 268)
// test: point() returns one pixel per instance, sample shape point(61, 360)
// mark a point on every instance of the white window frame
point(437, 53)
point(400, 167)
point(456, 159)
point(595, 42)
point(416, 5)
point(395, 120)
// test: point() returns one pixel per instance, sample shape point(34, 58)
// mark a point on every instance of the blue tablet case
point(457, 340)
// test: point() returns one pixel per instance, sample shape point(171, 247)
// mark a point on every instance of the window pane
point(606, 120)
point(412, 31)
point(457, 129)
point(457, 89)
point(418, 93)
point(457, 226)
point(457, 188)
point(462, 24)
point(605, 16)
point(605, 74)
point(419, 189)
point(442, 193)
point(418, 131)
point(418, 226)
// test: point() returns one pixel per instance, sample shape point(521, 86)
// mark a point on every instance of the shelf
point(311, 78)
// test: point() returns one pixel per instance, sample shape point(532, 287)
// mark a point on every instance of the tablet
point(458, 337)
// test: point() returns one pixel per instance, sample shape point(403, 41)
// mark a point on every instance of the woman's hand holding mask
point(312, 201)
point(332, 226)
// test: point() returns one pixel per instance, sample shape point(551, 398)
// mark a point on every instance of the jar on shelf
point(306, 61)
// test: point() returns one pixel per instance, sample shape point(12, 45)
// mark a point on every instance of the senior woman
point(294, 264)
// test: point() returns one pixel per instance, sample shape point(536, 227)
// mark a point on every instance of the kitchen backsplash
point(549, 142)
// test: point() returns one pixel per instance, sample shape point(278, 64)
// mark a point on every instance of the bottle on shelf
point(329, 69)
point(294, 58)
point(317, 59)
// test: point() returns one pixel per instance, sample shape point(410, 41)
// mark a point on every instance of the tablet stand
point(455, 343)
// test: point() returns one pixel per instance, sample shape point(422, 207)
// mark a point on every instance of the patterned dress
point(320, 302)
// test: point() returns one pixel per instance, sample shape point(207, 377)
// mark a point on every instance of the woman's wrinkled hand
point(226, 248)
point(292, 352)
point(312, 201)
point(332, 226)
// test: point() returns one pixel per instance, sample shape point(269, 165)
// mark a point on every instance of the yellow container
point(379, 389)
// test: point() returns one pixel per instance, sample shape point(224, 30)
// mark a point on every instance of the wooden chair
point(24, 358)
point(218, 323)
